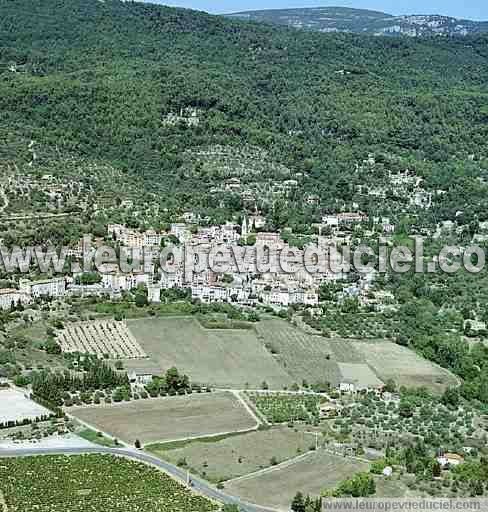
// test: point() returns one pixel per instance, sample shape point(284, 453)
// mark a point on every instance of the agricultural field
point(404, 366)
point(304, 356)
point(282, 407)
point(233, 456)
point(310, 475)
point(92, 482)
point(14, 406)
point(103, 338)
point(225, 358)
point(166, 419)
point(361, 374)
point(318, 359)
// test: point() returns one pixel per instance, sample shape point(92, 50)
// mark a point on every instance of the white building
point(209, 294)
point(450, 459)
point(140, 377)
point(10, 297)
point(181, 232)
point(331, 221)
point(55, 287)
point(152, 238)
point(154, 293)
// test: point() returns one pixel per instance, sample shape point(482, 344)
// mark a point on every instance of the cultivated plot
point(165, 419)
point(225, 358)
point(102, 338)
point(311, 475)
point(361, 375)
point(303, 355)
point(15, 406)
point(92, 483)
point(235, 456)
point(405, 367)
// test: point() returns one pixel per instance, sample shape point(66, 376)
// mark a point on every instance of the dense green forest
point(96, 79)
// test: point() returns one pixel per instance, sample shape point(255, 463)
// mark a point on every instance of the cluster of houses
point(30, 290)
point(258, 278)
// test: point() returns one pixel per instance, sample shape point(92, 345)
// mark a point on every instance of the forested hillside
point(96, 80)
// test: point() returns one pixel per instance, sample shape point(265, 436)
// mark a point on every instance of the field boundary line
point(204, 436)
point(351, 457)
point(282, 465)
point(248, 408)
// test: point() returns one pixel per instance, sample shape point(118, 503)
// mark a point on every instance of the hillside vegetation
point(98, 80)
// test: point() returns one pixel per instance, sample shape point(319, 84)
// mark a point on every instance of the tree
point(298, 503)
point(51, 347)
point(141, 298)
point(405, 409)
point(390, 386)
point(359, 486)
point(436, 469)
point(451, 398)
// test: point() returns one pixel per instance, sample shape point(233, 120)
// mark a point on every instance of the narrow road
point(175, 472)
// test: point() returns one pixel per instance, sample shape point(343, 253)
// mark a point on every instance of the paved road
point(179, 474)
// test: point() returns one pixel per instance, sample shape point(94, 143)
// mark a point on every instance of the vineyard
point(282, 407)
point(101, 338)
point(92, 482)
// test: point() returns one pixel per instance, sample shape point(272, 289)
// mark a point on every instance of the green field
point(234, 456)
point(282, 407)
point(95, 483)
point(310, 475)
point(224, 358)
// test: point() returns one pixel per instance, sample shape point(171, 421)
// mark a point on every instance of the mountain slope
point(102, 80)
point(361, 21)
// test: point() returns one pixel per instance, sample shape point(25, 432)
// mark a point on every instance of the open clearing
point(14, 406)
point(225, 358)
point(235, 456)
point(310, 475)
point(166, 419)
point(405, 367)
